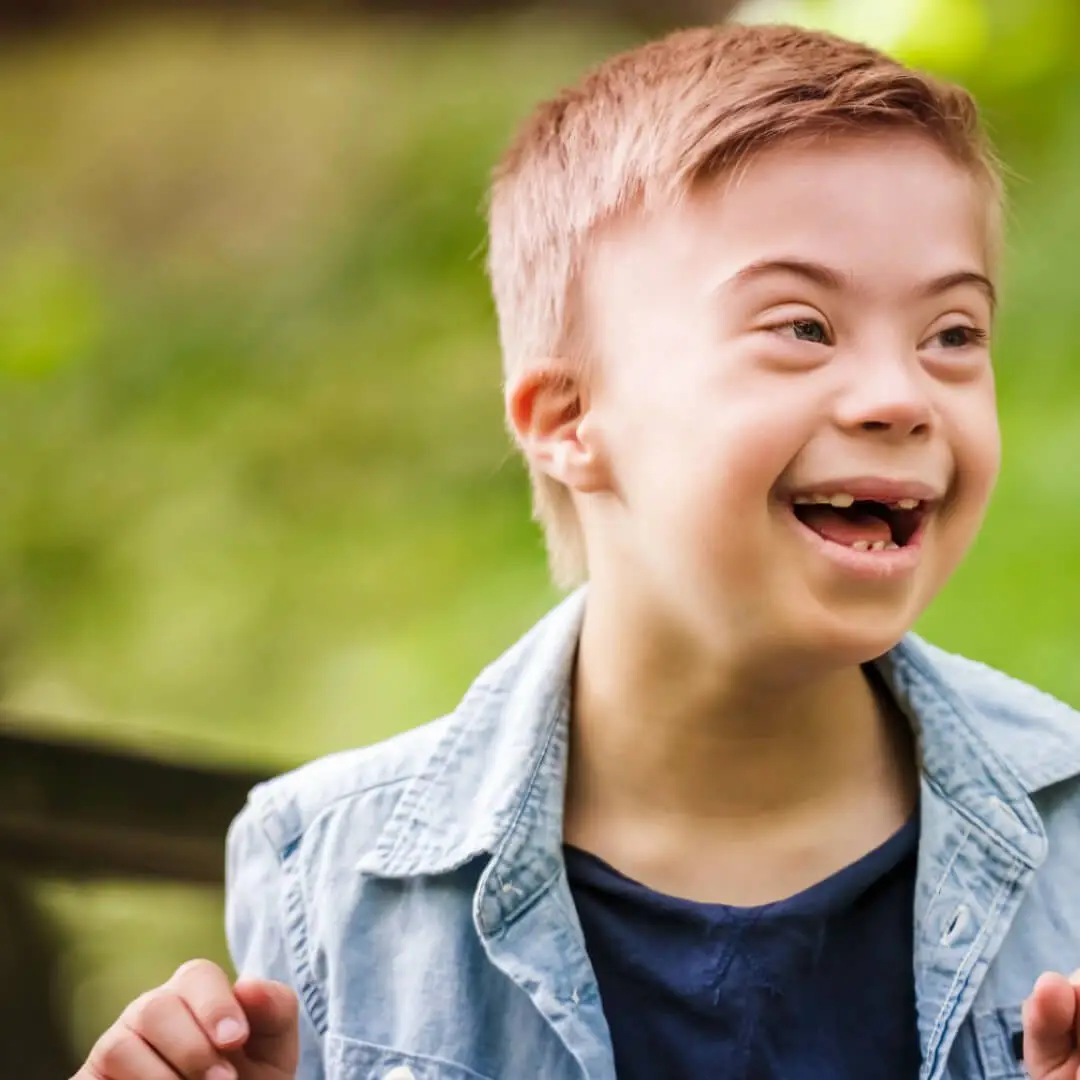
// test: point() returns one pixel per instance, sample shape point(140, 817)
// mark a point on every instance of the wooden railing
point(79, 810)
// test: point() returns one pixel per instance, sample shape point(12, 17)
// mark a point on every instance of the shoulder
point(317, 859)
point(999, 693)
point(360, 785)
point(1035, 733)
point(292, 852)
point(435, 796)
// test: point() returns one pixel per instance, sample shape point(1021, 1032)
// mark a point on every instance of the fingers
point(1050, 1024)
point(156, 1038)
point(271, 1008)
point(208, 993)
point(183, 1029)
point(191, 1027)
point(272, 1012)
point(119, 1055)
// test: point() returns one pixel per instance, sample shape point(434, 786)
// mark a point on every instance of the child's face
point(813, 327)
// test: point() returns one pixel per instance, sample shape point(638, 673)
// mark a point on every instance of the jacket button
point(400, 1072)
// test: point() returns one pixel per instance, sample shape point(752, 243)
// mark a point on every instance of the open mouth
point(860, 523)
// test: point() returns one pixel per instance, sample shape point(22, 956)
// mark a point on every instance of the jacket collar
point(502, 752)
point(987, 743)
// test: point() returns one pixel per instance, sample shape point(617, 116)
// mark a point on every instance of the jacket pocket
point(999, 1043)
point(351, 1059)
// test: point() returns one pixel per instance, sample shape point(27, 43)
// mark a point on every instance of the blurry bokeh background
point(256, 500)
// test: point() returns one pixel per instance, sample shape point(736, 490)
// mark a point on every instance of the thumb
point(1050, 1019)
point(272, 1013)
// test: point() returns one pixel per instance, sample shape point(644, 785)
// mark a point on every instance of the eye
point(812, 330)
point(960, 337)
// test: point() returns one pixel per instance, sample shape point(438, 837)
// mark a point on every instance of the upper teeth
point(842, 500)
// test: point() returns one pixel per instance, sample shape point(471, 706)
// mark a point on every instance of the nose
point(889, 397)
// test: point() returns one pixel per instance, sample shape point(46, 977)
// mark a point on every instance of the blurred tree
point(648, 15)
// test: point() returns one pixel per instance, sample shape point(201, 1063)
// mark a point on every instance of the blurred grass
point(256, 489)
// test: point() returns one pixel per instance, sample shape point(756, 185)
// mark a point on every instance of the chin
point(850, 636)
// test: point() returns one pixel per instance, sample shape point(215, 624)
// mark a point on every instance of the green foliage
point(258, 487)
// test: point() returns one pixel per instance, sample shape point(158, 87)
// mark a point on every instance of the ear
point(547, 410)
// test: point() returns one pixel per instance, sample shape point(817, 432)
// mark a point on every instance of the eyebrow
point(834, 280)
point(961, 277)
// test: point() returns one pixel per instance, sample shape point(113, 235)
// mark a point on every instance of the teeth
point(861, 545)
point(890, 546)
point(878, 545)
point(841, 500)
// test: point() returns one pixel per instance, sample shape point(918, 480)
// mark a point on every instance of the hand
point(198, 1026)
point(1051, 1019)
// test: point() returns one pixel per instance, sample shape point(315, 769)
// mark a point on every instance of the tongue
point(845, 527)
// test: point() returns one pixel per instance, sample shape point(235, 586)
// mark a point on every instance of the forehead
point(888, 210)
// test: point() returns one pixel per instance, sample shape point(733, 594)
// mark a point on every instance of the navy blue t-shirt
point(816, 987)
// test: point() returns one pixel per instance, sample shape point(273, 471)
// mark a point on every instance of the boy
point(719, 814)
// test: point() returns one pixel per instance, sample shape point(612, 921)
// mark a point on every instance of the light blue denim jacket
point(414, 892)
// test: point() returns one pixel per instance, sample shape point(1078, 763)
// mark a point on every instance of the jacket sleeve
point(255, 904)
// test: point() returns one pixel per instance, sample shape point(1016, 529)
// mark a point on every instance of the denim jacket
point(414, 893)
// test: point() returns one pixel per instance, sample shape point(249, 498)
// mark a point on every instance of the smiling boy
point(720, 813)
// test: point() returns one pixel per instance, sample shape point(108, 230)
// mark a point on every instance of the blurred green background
point(256, 500)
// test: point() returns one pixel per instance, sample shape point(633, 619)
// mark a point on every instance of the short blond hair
point(647, 126)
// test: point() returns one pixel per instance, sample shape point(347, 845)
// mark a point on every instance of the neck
point(663, 741)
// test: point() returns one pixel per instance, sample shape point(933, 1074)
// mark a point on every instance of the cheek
point(701, 474)
point(729, 435)
point(697, 433)
point(754, 433)
point(978, 447)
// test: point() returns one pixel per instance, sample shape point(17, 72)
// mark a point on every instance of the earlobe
point(561, 458)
